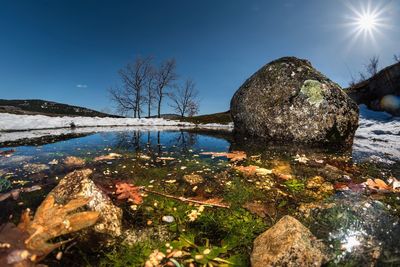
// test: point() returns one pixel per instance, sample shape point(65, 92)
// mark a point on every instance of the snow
point(377, 137)
point(12, 122)
point(16, 127)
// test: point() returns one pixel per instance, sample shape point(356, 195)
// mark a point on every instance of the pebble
point(168, 219)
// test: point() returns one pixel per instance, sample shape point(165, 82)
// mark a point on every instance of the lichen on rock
point(314, 91)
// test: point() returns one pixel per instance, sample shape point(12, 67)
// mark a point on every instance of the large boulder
point(79, 184)
point(289, 100)
point(287, 243)
point(381, 92)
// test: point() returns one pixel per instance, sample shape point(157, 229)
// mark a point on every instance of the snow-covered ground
point(377, 137)
point(16, 127)
point(12, 122)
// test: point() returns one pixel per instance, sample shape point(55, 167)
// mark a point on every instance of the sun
point(367, 22)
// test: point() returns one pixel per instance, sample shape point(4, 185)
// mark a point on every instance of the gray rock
point(287, 243)
point(381, 92)
point(288, 100)
point(78, 183)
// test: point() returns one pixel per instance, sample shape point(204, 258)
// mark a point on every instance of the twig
point(183, 199)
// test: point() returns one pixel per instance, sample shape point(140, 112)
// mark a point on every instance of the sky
point(70, 51)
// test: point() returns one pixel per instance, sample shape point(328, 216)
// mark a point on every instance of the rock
point(77, 184)
point(288, 100)
point(73, 162)
point(35, 168)
point(193, 179)
point(287, 243)
point(380, 92)
point(168, 218)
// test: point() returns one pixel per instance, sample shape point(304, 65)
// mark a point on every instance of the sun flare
point(367, 22)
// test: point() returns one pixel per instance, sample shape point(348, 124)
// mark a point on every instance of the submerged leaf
point(129, 192)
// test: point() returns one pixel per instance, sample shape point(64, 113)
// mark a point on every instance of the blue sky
point(70, 51)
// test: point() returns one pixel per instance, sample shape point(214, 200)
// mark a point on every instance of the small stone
point(168, 219)
point(193, 179)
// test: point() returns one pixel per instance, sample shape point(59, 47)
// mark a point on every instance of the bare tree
point(372, 66)
point(396, 58)
point(164, 78)
point(371, 69)
point(184, 99)
point(193, 108)
point(150, 97)
point(123, 99)
point(134, 78)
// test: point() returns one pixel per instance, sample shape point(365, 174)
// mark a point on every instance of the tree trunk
point(159, 107)
point(149, 110)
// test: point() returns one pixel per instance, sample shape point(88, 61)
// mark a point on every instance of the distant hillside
point(221, 118)
point(41, 107)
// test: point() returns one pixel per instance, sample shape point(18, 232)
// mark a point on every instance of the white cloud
point(82, 86)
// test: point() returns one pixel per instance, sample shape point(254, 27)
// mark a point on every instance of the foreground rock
point(287, 243)
point(288, 100)
point(380, 92)
point(78, 184)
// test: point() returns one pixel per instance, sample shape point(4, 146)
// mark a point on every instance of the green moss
point(235, 229)
point(314, 91)
point(239, 192)
point(135, 255)
point(295, 186)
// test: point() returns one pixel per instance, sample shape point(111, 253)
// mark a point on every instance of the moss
point(239, 192)
point(295, 186)
point(235, 229)
point(135, 255)
point(314, 91)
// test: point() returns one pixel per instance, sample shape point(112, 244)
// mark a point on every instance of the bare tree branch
point(372, 66)
point(396, 58)
point(164, 78)
point(184, 99)
point(134, 78)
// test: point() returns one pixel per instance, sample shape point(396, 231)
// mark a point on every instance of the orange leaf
point(129, 192)
point(378, 184)
point(233, 156)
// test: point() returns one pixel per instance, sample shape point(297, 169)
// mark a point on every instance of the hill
point(49, 108)
point(221, 118)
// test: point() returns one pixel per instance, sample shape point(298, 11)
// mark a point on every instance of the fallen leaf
point(232, 156)
point(28, 243)
point(110, 156)
point(253, 170)
point(377, 184)
point(129, 192)
point(74, 161)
